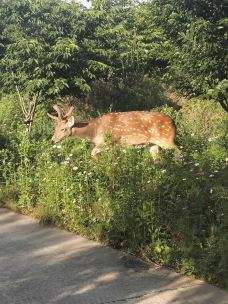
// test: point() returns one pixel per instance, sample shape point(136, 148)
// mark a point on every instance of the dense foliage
point(59, 47)
point(121, 55)
point(172, 211)
point(198, 30)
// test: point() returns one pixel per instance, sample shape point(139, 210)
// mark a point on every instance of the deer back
point(137, 127)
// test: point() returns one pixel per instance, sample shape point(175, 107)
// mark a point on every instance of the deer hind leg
point(154, 151)
point(171, 145)
point(96, 150)
point(178, 152)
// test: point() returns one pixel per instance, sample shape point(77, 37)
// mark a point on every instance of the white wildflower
point(70, 155)
point(65, 162)
point(183, 179)
point(196, 164)
point(163, 171)
point(211, 190)
point(58, 146)
point(210, 139)
point(75, 168)
point(211, 175)
point(54, 146)
point(68, 158)
point(226, 159)
point(192, 134)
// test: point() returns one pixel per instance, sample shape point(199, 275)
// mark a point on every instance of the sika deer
point(128, 128)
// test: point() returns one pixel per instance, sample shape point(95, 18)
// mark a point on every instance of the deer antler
point(58, 110)
point(70, 111)
point(53, 117)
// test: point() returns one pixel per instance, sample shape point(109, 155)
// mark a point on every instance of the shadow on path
point(49, 265)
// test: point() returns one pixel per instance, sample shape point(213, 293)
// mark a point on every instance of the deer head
point(64, 125)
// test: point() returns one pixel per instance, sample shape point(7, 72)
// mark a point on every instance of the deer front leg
point(96, 150)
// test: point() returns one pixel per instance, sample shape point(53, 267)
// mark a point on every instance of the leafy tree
point(58, 47)
point(198, 31)
point(43, 46)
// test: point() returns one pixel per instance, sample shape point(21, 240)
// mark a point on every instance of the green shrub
point(201, 125)
point(172, 211)
point(141, 93)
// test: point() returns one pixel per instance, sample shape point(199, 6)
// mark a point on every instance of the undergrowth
point(173, 210)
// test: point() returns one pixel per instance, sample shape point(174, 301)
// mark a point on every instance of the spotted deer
point(128, 128)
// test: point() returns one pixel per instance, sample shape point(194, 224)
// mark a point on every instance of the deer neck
point(87, 132)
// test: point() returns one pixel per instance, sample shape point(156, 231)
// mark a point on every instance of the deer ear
point(70, 122)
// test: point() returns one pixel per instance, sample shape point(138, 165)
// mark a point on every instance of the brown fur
point(128, 128)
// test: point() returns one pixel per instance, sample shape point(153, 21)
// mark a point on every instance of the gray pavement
point(49, 265)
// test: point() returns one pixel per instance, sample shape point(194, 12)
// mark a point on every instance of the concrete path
point(48, 265)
